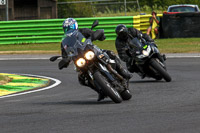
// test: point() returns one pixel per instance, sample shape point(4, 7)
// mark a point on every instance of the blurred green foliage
point(96, 9)
point(163, 4)
point(74, 9)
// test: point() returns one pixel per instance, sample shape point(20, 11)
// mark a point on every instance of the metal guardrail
point(50, 30)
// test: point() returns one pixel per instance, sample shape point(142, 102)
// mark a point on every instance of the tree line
point(75, 8)
point(163, 4)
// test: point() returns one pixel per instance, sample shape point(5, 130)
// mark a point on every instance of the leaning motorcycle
point(148, 61)
point(95, 66)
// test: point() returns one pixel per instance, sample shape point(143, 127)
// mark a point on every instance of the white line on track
point(57, 82)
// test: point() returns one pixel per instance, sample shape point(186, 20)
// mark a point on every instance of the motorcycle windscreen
point(135, 43)
point(72, 43)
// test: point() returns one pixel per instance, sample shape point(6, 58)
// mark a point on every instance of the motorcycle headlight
point(80, 62)
point(89, 55)
point(147, 51)
point(144, 52)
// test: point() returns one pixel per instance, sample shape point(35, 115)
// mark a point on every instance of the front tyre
point(126, 95)
point(160, 70)
point(107, 87)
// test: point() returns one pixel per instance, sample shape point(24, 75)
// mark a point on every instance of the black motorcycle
point(147, 61)
point(95, 66)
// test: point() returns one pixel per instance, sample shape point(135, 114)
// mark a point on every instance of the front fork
point(107, 69)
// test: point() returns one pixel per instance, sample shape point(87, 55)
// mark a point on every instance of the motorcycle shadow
point(88, 102)
point(147, 81)
point(79, 102)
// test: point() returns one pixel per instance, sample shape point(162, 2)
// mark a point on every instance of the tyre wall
point(181, 25)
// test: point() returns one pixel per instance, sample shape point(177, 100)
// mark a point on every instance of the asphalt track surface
point(156, 106)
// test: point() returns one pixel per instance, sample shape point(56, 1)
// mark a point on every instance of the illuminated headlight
point(80, 62)
point(89, 55)
point(147, 51)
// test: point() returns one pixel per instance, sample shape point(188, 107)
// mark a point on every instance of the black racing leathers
point(123, 49)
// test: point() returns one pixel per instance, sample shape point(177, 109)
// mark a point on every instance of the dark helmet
point(122, 31)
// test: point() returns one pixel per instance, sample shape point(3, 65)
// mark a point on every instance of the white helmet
point(70, 23)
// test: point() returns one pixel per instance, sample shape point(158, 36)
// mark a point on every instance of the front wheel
point(160, 70)
point(126, 95)
point(107, 87)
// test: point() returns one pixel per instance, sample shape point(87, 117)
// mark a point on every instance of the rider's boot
point(123, 72)
point(100, 96)
point(164, 57)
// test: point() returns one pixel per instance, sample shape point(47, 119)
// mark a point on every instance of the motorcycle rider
point(124, 35)
point(70, 25)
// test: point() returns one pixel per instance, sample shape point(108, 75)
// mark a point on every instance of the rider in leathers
point(124, 35)
point(69, 25)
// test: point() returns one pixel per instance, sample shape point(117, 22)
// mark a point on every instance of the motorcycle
point(95, 66)
point(148, 61)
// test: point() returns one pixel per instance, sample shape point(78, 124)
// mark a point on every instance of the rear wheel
point(107, 87)
point(160, 70)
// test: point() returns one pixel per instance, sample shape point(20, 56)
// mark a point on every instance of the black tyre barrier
point(181, 25)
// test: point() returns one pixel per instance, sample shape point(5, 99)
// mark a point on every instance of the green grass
point(177, 45)
point(2, 77)
point(29, 47)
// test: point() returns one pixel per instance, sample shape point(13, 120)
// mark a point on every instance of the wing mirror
point(95, 23)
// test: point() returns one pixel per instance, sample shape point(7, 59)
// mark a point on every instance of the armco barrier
point(50, 30)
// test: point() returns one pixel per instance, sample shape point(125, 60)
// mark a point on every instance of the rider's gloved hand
point(140, 36)
point(147, 38)
point(103, 37)
point(64, 63)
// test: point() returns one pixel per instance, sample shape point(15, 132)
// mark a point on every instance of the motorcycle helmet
point(69, 24)
point(122, 31)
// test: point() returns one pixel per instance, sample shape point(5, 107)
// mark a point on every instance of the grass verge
point(176, 45)
point(4, 79)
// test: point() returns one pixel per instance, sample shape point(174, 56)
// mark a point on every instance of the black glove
point(140, 36)
point(147, 38)
point(64, 63)
point(86, 32)
point(103, 37)
point(97, 35)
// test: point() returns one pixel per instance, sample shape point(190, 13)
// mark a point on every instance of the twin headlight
point(88, 56)
point(80, 62)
